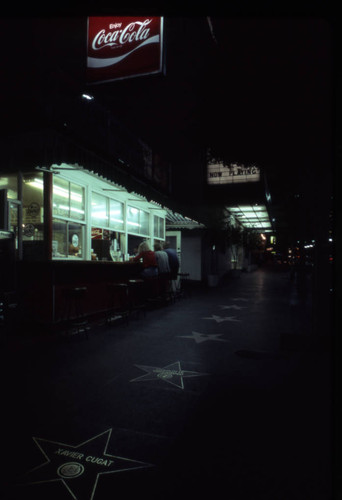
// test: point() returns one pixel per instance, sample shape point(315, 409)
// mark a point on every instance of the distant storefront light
point(252, 216)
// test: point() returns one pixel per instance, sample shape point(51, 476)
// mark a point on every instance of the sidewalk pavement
point(199, 397)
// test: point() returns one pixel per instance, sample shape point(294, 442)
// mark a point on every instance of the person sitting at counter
point(163, 267)
point(149, 261)
point(173, 259)
point(162, 259)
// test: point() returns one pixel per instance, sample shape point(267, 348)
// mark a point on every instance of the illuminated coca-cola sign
point(123, 47)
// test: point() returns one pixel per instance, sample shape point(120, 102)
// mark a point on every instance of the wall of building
point(219, 261)
point(191, 255)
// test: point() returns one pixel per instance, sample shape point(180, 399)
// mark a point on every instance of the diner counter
point(41, 285)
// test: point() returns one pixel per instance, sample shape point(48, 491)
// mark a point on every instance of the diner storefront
point(70, 213)
point(73, 227)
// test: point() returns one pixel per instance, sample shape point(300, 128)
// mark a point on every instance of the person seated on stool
point(163, 266)
point(162, 259)
point(149, 261)
point(173, 259)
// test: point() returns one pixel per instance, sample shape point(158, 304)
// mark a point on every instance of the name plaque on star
point(172, 374)
point(203, 337)
point(78, 467)
point(80, 456)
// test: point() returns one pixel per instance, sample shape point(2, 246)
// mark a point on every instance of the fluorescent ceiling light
point(72, 209)
point(251, 216)
point(57, 191)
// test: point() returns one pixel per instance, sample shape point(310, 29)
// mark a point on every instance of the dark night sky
point(262, 92)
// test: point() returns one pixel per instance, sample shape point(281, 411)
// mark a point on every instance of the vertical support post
point(151, 227)
point(20, 216)
point(47, 215)
point(88, 225)
point(125, 249)
point(4, 210)
point(47, 201)
point(323, 278)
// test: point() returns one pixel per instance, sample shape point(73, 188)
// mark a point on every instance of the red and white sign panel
point(123, 47)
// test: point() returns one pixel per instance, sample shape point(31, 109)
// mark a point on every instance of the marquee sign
point(123, 47)
point(219, 173)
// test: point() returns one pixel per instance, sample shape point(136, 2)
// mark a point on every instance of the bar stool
point(174, 286)
point(73, 311)
point(183, 286)
point(137, 296)
point(166, 288)
point(152, 287)
point(118, 302)
point(8, 313)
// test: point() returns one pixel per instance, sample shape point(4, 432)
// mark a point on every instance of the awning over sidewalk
point(175, 220)
point(106, 185)
point(254, 216)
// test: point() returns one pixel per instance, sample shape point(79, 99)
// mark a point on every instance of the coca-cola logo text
point(134, 32)
point(123, 47)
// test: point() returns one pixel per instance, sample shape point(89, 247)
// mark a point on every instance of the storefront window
point(61, 197)
point(76, 202)
point(137, 221)
point(14, 220)
point(67, 240)
point(59, 239)
point(75, 240)
point(116, 213)
point(144, 222)
point(133, 220)
point(68, 199)
point(158, 231)
point(10, 182)
point(106, 245)
point(33, 216)
point(99, 210)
